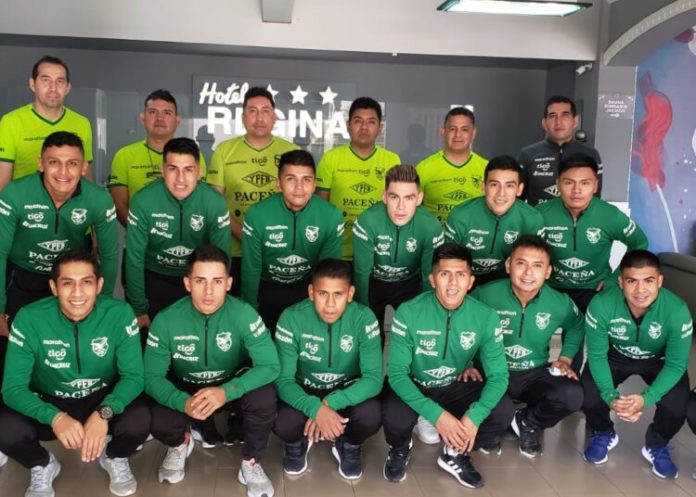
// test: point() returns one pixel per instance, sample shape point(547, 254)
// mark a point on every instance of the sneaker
point(3, 459)
point(41, 483)
point(348, 457)
point(122, 479)
point(597, 450)
point(661, 461)
point(234, 433)
point(529, 441)
point(205, 433)
point(295, 457)
point(491, 448)
point(462, 468)
point(397, 460)
point(426, 432)
point(173, 467)
point(254, 477)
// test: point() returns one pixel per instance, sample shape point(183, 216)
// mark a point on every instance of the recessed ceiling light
point(514, 7)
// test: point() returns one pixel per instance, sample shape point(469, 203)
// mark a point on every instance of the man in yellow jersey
point(455, 174)
point(245, 168)
point(138, 164)
point(23, 130)
point(352, 176)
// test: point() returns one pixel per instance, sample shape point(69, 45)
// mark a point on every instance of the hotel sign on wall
point(311, 114)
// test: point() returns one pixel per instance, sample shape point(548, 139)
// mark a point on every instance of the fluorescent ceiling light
point(514, 7)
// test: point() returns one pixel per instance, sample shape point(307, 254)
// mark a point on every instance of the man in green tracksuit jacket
point(530, 313)
point(644, 329)
point(47, 213)
point(393, 243)
point(331, 372)
point(74, 372)
point(581, 228)
point(168, 219)
point(434, 337)
point(196, 362)
point(489, 225)
point(284, 236)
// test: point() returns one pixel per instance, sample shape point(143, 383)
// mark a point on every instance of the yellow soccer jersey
point(248, 175)
point(23, 131)
point(355, 183)
point(137, 165)
point(446, 185)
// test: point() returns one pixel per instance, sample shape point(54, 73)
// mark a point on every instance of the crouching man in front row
point(434, 337)
point(196, 362)
point(331, 372)
point(643, 329)
point(74, 372)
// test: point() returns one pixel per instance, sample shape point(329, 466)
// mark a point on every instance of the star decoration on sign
point(298, 95)
point(272, 91)
point(327, 96)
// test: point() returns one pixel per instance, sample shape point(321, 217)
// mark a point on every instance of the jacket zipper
point(519, 335)
point(294, 230)
point(447, 332)
point(77, 348)
point(495, 234)
point(206, 342)
point(330, 346)
point(181, 221)
point(396, 249)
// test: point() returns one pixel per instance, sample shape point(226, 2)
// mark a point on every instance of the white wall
point(343, 25)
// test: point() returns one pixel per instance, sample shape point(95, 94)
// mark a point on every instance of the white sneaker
point(254, 477)
point(3, 459)
point(122, 482)
point(173, 467)
point(426, 432)
point(41, 484)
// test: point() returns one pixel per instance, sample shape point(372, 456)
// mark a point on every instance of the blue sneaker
point(661, 461)
point(597, 450)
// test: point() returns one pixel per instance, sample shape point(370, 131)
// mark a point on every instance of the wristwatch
point(105, 412)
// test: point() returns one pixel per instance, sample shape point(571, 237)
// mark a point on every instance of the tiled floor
point(559, 472)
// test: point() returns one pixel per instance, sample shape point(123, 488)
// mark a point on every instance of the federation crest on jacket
point(100, 346)
point(543, 319)
point(347, 343)
point(467, 339)
point(224, 340)
point(78, 216)
point(593, 235)
point(312, 233)
point(197, 222)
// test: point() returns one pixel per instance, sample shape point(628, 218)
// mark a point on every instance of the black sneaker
point(462, 468)
point(206, 433)
point(295, 457)
point(529, 440)
point(491, 448)
point(348, 457)
point(234, 433)
point(397, 460)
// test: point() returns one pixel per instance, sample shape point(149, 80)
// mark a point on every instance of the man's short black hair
point(575, 161)
point(639, 259)
point(533, 242)
point(258, 91)
point(209, 253)
point(296, 158)
point(63, 139)
point(182, 146)
point(503, 163)
point(333, 268)
point(460, 111)
point(365, 103)
point(560, 99)
point(49, 59)
point(450, 251)
point(74, 256)
point(161, 95)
